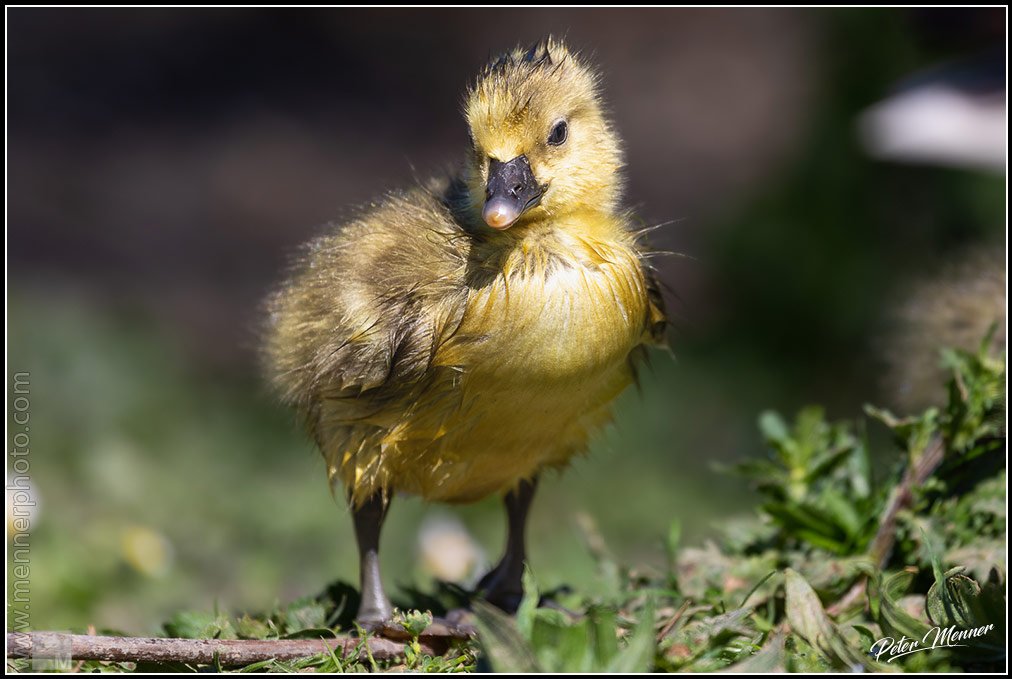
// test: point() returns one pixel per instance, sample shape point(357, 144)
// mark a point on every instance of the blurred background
point(833, 182)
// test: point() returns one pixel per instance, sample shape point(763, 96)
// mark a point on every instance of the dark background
point(163, 164)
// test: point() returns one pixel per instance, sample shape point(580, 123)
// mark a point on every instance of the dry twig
point(227, 652)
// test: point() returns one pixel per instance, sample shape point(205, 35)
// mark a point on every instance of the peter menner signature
point(936, 637)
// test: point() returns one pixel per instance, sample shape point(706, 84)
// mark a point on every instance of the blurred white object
point(22, 505)
point(955, 116)
point(447, 550)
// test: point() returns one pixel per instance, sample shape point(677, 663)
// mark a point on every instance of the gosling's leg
point(375, 606)
point(503, 585)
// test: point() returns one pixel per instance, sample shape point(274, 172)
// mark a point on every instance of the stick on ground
point(227, 652)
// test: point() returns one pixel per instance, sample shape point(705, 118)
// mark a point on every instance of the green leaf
point(951, 600)
point(199, 625)
point(825, 462)
point(708, 631)
point(570, 649)
point(912, 433)
point(802, 657)
point(769, 659)
point(310, 633)
point(859, 466)
point(415, 622)
point(959, 602)
point(252, 628)
point(528, 605)
point(809, 620)
point(793, 515)
point(773, 427)
point(505, 648)
point(304, 615)
point(604, 640)
point(843, 512)
point(885, 594)
point(550, 631)
point(756, 587)
point(638, 655)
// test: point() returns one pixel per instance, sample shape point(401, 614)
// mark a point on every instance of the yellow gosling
point(457, 338)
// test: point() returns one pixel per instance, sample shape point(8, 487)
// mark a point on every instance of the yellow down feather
point(432, 355)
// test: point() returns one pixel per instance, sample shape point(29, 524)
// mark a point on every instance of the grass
point(159, 480)
point(799, 583)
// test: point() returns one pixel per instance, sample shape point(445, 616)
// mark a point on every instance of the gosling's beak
point(512, 190)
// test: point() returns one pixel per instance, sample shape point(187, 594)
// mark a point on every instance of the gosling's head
point(541, 145)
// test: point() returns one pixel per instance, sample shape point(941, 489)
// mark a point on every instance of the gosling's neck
point(593, 222)
point(585, 222)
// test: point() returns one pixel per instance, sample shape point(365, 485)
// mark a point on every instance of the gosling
point(457, 338)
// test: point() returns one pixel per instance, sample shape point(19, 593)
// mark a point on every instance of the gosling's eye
point(560, 130)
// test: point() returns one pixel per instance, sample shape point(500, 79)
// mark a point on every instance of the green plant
point(833, 564)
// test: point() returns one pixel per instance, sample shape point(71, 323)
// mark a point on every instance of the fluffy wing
point(358, 322)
